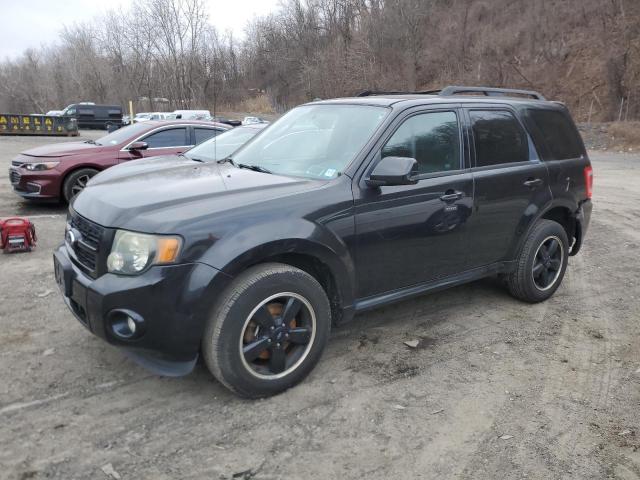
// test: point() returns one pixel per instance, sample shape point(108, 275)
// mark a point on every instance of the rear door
point(562, 151)
point(511, 184)
point(410, 234)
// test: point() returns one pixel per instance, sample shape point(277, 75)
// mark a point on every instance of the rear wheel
point(76, 181)
point(267, 331)
point(541, 263)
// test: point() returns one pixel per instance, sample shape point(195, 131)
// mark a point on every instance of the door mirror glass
point(138, 146)
point(394, 171)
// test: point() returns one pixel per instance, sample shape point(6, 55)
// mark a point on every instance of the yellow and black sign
point(11, 124)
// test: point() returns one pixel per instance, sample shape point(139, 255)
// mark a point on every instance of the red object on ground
point(17, 235)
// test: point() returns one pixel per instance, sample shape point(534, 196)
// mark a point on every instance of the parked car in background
point(252, 120)
point(89, 115)
point(61, 170)
point(54, 113)
point(339, 207)
point(143, 117)
point(223, 145)
point(233, 123)
point(192, 114)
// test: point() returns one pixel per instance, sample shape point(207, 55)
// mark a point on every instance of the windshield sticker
point(330, 172)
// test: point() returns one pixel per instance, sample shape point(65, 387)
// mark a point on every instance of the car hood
point(62, 150)
point(158, 195)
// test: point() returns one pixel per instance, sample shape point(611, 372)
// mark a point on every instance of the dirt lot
point(496, 389)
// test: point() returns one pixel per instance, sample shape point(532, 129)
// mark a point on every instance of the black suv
point(338, 207)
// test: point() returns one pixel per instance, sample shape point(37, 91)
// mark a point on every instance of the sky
point(31, 23)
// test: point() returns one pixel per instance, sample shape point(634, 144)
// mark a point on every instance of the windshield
point(123, 134)
point(223, 145)
point(314, 141)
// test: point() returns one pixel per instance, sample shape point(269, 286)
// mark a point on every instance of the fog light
point(126, 324)
point(131, 324)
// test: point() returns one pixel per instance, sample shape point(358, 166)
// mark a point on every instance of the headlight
point(40, 166)
point(132, 252)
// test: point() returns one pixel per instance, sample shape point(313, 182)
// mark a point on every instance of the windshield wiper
point(92, 142)
point(226, 160)
point(191, 158)
point(255, 168)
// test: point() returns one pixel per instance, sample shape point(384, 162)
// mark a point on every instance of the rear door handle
point(450, 197)
point(533, 182)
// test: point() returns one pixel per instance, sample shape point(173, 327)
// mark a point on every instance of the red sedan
point(62, 170)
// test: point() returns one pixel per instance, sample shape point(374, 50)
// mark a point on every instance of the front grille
point(14, 177)
point(87, 248)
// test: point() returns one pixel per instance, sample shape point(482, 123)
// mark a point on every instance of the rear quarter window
point(554, 131)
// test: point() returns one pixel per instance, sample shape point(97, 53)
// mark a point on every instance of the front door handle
point(451, 196)
point(533, 182)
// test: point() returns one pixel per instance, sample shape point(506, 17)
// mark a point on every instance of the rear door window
point(556, 133)
point(498, 138)
point(203, 134)
point(172, 137)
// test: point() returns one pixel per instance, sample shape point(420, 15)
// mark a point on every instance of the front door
point(168, 141)
point(511, 185)
point(410, 234)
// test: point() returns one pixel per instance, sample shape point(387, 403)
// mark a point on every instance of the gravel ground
point(495, 389)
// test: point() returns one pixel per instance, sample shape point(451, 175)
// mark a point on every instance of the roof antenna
point(215, 139)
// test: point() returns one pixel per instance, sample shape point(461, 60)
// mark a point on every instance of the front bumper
point(38, 185)
point(173, 300)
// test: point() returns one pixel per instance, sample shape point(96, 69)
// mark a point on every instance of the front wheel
point(267, 331)
point(76, 181)
point(541, 263)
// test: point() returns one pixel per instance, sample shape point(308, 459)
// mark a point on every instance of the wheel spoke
point(538, 268)
point(291, 309)
point(543, 251)
point(300, 335)
point(263, 317)
point(553, 246)
point(278, 360)
point(546, 277)
point(555, 264)
point(252, 350)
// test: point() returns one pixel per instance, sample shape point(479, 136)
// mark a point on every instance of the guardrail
point(14, 124)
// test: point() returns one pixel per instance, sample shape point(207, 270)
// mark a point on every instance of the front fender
point(234, 253)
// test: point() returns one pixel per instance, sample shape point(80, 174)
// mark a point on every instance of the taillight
point(588, 180)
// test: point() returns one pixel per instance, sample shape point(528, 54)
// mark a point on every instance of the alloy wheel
point(547, 263)
point(81, 182)
point(277, 335)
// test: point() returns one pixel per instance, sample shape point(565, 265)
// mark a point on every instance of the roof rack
point(489, 92)
point(455, 90)
point(370, 93)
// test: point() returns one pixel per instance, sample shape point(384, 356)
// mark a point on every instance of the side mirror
point(138, 146)
point(393, 171)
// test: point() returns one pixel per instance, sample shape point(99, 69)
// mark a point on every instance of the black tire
point(238, 322)
point(76, 181)
point(537, 275)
